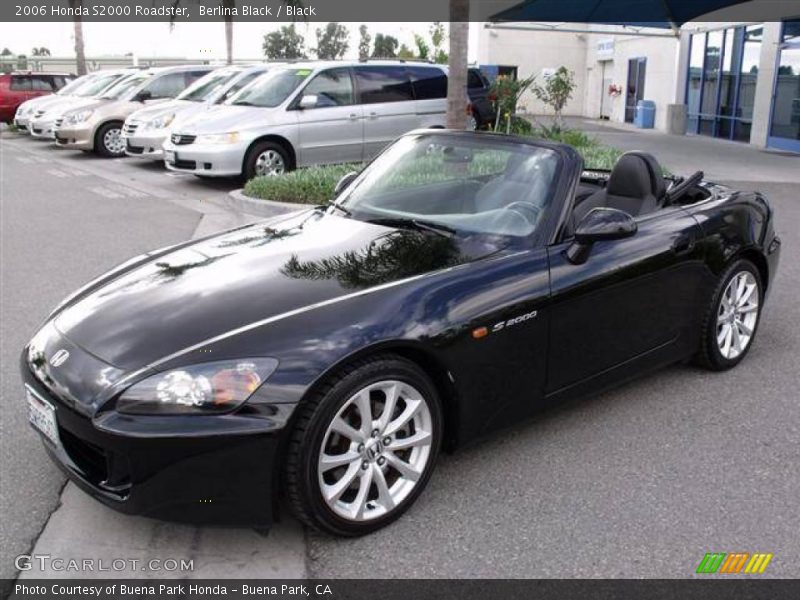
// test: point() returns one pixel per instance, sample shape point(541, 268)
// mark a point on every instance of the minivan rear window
point(428, 82)
point(383, 84)
point(20, 83)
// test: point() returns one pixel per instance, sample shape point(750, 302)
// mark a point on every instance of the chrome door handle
point(353, 117)
point(373, 115)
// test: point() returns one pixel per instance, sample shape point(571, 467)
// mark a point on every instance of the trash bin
point(645, 117)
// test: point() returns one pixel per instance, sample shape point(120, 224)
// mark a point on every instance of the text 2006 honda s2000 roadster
point(458, 284)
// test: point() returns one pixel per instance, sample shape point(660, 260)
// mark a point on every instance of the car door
point(332, 131)
point(632, 304)
point(388, 103)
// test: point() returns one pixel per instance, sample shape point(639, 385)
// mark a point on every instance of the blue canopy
point(640, 13)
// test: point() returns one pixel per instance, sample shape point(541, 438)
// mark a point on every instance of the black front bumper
point(211, 479)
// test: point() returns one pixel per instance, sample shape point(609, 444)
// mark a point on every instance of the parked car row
point(253, 120)
point(21, 86)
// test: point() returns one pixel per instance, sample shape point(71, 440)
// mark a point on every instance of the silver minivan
point(145, 130)
point(311, 113)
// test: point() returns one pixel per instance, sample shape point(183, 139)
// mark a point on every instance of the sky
point(186, 40)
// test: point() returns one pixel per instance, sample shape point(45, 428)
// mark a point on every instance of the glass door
point(637, 68)
point(785, 123)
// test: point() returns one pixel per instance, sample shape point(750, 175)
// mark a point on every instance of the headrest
point(637, 175)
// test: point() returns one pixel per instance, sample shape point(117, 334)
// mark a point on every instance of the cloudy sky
point(189, 40)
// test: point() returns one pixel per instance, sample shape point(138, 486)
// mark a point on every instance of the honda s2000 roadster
point(458, 284)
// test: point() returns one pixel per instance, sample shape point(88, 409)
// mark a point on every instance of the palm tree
point(80, 55)
point(229, 31)
point(457, 65)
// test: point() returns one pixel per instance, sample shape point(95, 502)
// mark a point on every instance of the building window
point(721, 81)
point(785, 125)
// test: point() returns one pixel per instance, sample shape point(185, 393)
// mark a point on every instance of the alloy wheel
point(113, 142)
point(737, 315)
point(269, 162)
point(375, 450)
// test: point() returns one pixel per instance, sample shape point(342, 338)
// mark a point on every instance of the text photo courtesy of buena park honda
point(443, 299)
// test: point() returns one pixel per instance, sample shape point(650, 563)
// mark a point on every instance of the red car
point(17, 87)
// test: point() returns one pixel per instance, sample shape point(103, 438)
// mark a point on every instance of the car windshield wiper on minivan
point(419, 224)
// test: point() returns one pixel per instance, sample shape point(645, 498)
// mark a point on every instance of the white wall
point(660, 73)
point(532, 52)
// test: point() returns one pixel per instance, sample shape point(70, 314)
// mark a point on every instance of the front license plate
point(170, 156)
point(42, 415)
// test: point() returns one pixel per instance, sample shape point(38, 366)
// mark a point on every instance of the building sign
point(605, 49)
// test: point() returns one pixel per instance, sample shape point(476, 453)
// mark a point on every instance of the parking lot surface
point(637, 482)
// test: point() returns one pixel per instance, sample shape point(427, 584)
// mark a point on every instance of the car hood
point(40, 102)
point(223, 118)
point(74, 103)
point(61, 103)
point(153, 112)
point(167, 304)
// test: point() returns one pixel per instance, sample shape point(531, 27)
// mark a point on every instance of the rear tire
point(732, 317)
point(108, 141)
point(349, 477)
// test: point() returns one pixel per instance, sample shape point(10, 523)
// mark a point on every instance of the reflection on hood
point(397, 255)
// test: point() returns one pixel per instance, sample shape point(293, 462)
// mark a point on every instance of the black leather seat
point(636, 185)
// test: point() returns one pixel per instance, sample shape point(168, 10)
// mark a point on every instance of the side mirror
point(345, 181)
point(144, 96)
point(308, 101)
point(599, 225)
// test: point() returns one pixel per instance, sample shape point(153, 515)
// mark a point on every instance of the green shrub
point(313, 185)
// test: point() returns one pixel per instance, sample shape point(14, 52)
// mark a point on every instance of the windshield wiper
point(337, 206)
point(419, 224)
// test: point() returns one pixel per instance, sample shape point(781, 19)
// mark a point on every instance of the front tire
point(265, 159)
point(364, 446)
point(108, 141)
point(732, 318)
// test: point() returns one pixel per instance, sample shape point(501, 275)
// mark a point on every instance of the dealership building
point(734, 81)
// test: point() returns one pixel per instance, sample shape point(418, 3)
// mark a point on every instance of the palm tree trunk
point(229, 39)
point(229, 30)
point(80, 56)
point(457, 65)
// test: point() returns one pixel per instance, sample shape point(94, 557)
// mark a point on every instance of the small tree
point(364, 42)
point(286, 43)
point(423, 50)
point(41, 51)
point(405, 52)
point(385, 46)
point(505, 93)
point(438, 36)
point(556, 92)
point(6, 52)
point(332, 42)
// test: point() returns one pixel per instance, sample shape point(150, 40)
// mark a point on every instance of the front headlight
point(218, 138)
point(78, 117)
point(160, 122)
point(207, 388)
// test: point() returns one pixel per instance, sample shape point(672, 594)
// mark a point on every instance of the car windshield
point(467, 184)
point(74, 85)
point(204, 87)
point(97, 85)
point(126, 88)
point(271, 89)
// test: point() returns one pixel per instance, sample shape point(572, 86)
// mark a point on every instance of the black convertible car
point(458, 284)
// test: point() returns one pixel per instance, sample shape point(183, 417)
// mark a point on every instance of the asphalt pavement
point(638, 482)
point(66, 217)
